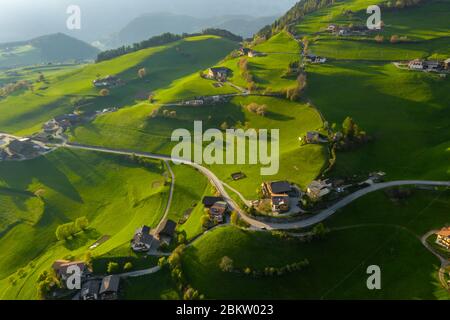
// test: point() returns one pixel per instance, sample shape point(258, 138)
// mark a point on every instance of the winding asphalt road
point(256, 224)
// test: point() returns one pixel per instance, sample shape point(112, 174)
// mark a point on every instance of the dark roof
point(169, 228)
point(219, 208)
point(220, 69)
point(144, 229)
point(280, 187)
point(90, 287)
point(110, 284)
point(142, 235)
point(210, 201)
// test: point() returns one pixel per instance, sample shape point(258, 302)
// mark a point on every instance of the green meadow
point(268, 70)
point(407, 114)
point(115, 194)
point(427, 21)
point(138, 131)
point(424, 37)
point(370, 231)
point(25, 113)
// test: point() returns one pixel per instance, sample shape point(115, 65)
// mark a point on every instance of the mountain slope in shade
point(49, 48)
point(152, 24)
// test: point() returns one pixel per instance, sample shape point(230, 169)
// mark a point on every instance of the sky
point(25, 19)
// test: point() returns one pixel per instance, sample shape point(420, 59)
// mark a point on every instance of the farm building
point(278, 192)
point(318, 189)
point(434, 65)
point(314, 137)
point(109, 289)
point(208, 202)
point(218, 73)
point(142, 240)
point(167, 232)
point(332, 28)
point(25, 148)
point(90, 290)
point(315, 59)
point(443, 238)
point(217, 211)
point(63, 272)
point(416, 64)
point(447, 64)
point(108, 81)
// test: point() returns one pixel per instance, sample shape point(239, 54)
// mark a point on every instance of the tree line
point(68, 230)
point(162, 40)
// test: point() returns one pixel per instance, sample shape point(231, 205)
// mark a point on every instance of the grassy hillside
point(115, 194)
point(133, 128)
point(167, 63)
point(389, 240)
point(423, 37)
point(46, 49)
point(406, 112)
point(268, 71)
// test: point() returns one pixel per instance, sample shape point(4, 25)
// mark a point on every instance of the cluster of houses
point(56, 126)
point(347, 31)
point(107, 82)
point(429, 65)
point(250, 52)
point(443, 238)
point(20, 149)
point(61, 123)
point(92, 288)
point(220, 74)
point(206, 100)
point(144, 240)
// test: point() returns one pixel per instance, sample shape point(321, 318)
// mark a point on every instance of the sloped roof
point(280, 187)
point(110, 284)
point(168, 229)
point(445, 232)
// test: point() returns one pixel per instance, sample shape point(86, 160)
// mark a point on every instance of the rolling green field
point(405, 112)
point(115, 194)
point(424, 37)
point(25, 113)
point(370, 231)
point(133, 128)
point(268, 70)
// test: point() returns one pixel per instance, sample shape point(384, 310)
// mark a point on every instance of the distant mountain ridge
point(53, 48)
point(152, 24)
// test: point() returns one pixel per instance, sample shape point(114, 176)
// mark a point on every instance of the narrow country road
point(140, 273)
point(169, 201)
point(325, 214)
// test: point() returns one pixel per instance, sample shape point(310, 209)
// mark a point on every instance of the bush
point(104, 92)
point(128, 267)
point(260, 110)
point(113, 267)
point(142, 73)
point(81, 223)
point(226, 264)
point(379, 38)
